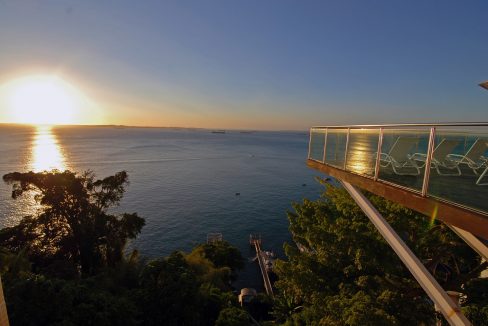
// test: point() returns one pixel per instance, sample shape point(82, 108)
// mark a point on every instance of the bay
point(186, 183)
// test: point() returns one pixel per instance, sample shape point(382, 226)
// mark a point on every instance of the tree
point(222, 253)
point(73, 230)
point(260, 307)
point(206, 271)
point(346, 274)
point(233, 317)
point(74, 234)
point(38, 300)
point(169, 291)
point(475, 307)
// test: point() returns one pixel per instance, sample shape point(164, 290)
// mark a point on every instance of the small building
point(246, 296)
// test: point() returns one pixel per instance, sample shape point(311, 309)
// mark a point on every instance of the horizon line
point(150, 127)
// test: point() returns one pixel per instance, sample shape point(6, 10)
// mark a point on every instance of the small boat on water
point(218, 131)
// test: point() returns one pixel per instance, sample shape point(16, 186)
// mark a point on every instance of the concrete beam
point(444, 303)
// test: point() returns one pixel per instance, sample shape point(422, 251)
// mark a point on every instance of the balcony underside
point(468, 219)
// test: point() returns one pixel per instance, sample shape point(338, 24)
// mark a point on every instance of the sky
point(253, 64)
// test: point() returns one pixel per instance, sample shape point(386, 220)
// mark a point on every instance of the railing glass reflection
point(317, 141)
point(362, 151)
point(396, 162)
point(335, 148)
point(458, 158)
point(459, 167)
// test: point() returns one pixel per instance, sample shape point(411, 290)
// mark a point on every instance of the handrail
point(430, 133)
point(441, 124)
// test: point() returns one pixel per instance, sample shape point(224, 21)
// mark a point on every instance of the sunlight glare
point(46, 151)
point(42, 100)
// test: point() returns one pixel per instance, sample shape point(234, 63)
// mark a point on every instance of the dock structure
point(213, 238)
point(255, 241)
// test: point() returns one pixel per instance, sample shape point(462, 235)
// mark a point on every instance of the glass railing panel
point(336, 147)
point(317, 140)
point(403, 152)
point(459, 169)
point(361, 151)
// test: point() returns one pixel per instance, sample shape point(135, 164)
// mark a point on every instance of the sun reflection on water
point(361, 157)
point(47, 154)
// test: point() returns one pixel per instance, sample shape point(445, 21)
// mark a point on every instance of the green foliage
point(206, 271)
point(170, 289)
point(213, 300)
point(348, 275)
point(475, 307)
point(41, 259)
point(14, 264)
point(233, 317)
point(41, 301)
point(72, 231)
point(167, 291)
point(476, 314)
point(221, 253)
point(260, 307)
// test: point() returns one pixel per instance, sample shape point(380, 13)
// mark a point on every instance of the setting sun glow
point(42, 100)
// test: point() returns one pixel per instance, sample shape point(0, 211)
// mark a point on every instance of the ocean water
point(183, 182)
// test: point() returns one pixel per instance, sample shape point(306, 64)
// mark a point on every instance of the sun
point(42, 100)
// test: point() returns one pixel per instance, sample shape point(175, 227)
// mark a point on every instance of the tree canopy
point(72, 251)
point(72, 229)
point(346, 274)
point(221, 254)
point(66, 265)
point(170, 290)
point(233, 317)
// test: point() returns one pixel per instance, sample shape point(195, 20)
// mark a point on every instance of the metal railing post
point(378, 156)
point(347, 146)
point(430, 152)
point(309, 143)
point(325, 144)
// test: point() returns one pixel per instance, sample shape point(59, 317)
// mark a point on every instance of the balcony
point(392, 160)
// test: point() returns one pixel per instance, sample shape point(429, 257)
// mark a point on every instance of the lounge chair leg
point(401, 173)
point(458, 173)
point(478, 182)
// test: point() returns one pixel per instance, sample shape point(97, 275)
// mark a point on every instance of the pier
point(256, 242)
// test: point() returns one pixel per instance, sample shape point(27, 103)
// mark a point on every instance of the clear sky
point(255, 64)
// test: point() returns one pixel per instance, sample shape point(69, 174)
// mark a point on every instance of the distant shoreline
point(231, 130)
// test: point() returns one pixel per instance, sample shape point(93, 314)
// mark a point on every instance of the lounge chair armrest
point(459, 158)
point(455, 155)
point(417, 157)
point(483, 162)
